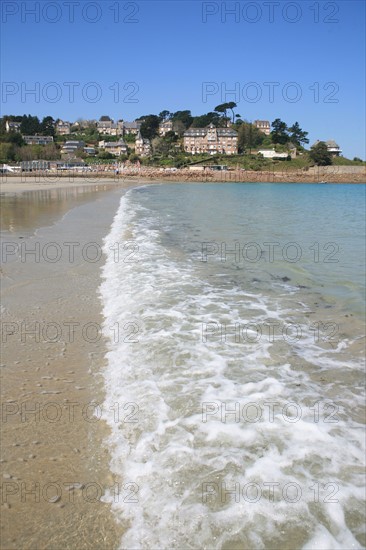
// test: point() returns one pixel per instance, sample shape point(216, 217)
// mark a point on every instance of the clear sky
point(298, 61)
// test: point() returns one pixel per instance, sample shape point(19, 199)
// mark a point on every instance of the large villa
point(211, 140)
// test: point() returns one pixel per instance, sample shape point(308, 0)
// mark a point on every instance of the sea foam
point(228, 446)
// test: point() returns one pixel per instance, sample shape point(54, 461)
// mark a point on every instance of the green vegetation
point(224, 107)
point(320, 155)
point(133, 157)
point(209, 118)
point(297, 136)
point(105, 155)
point(150, 126)
point(101, 137)
point(30, 125)
point(249, 137)
point(7, 152)
point(342, 161)
point(129, 138)
point(13, 153)
point(283, 135)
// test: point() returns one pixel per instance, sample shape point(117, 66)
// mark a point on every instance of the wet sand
point(54, 465)
point(12, 184)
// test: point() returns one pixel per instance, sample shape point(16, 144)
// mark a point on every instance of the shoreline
point(55, 464)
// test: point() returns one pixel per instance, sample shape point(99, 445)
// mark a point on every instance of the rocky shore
point(329, 174)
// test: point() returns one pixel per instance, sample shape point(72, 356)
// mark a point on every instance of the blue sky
point(298, 61)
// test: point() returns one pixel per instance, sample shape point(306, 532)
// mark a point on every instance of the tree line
point(30, 125)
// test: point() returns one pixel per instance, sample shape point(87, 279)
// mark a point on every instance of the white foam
point(170, 374)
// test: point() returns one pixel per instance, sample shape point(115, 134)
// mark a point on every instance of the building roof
point(112, 144)
point(332, 143)
point(201, 132)
point(73, 143)
point(45, 138)
point(109, 124)
point(140, 138)
point(135, 125)
point(329, 143)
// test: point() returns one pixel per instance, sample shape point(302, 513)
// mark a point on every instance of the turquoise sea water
point(239, 358)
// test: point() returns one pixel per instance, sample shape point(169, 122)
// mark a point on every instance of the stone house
point(263, 125)
point(142, 146)
point(165, 127)
point(211, 140)
point(114, 147)
point(110, 128)
point(63, 128)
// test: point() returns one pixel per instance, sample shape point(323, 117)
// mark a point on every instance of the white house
point(332, 147)
point(272, 154)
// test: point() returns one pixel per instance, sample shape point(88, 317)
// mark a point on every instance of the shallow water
point(235, 378)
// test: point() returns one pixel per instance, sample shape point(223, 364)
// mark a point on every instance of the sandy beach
point(54, 465)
